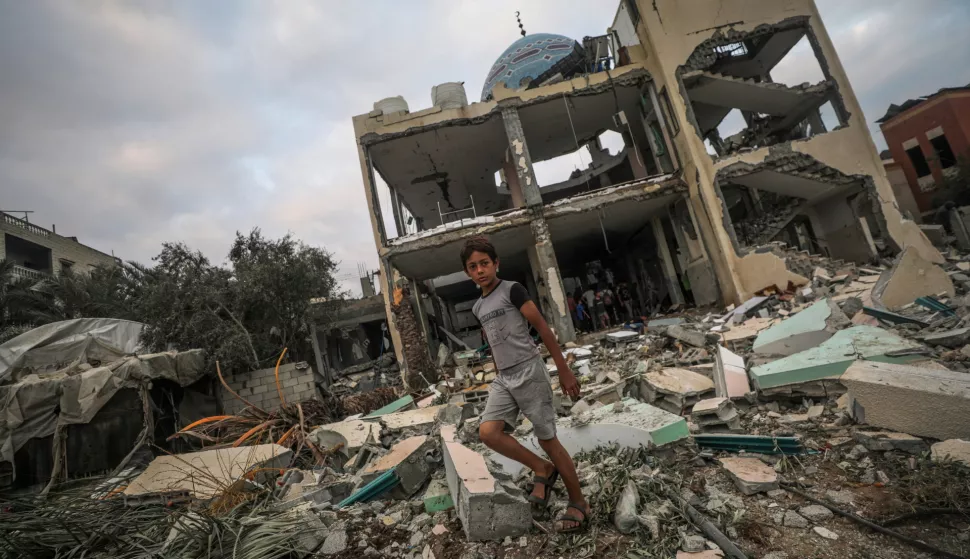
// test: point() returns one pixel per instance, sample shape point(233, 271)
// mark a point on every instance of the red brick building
point(926, 136)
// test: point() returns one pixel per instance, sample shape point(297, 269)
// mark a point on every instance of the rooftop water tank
point(391, 105)
point(450, 95)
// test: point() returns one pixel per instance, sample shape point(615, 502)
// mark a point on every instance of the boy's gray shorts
point(524, 387)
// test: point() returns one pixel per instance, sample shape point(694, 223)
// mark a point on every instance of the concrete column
point(398, 218)
point(670, 272)
point(521, 160)
point(552, 293)
point(512, 179)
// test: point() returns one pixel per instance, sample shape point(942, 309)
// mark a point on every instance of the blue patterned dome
point(533, 59)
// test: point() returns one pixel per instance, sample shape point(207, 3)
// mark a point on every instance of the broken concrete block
point(795, 520)
point(454, 414)
point(751, 475)
point(638, 424)
point(622, 337)
point(408, 459)
point(954, 449)
point(692, 337)
point(422, 419)
point(352, 434)
point(887, 440)
point(715, 406)
point(815, 411)
point(488, 510)
point(832, 357)
point(925, 402)
point(672, 389)
point(952, 339)
point(205, 474)
point(911, 277)
point(815, 513)
point(825, 533)
point(802, 331)
point(730, 374)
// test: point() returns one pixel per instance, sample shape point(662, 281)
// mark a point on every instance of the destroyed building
point(677, 212)
point(926, 136)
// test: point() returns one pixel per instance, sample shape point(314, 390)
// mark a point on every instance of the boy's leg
point(501, 409)
point(567, 469)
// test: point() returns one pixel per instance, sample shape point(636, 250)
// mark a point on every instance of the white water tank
point(391, 105)
point(450, 95)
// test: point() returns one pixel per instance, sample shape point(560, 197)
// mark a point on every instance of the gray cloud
point(136, 123)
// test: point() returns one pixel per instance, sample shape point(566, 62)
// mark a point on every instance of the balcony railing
point(7, 218)
point(21, 272)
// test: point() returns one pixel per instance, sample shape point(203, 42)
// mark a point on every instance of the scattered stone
point(776, 555)
point(777, 494)
point(953, 449)
point(815, 513)
point(815, 411)
point(439, 529)
point(707, 554)
point(751, 475)
point(825, 533)
point(523, 541)
point(416, 539)
point(810, 470)
point(857, 452)
point(887, 440)
point(795, 520)
point(694, 544)
point(335, 543)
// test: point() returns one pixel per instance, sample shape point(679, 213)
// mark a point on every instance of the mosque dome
point(533, 59)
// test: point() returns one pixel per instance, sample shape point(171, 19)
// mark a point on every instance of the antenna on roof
point(521, 28)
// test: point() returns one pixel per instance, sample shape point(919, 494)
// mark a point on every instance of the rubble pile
point(812, 420)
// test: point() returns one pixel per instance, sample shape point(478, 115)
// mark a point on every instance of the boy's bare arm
point(567, 380)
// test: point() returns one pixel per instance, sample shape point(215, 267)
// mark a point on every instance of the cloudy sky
point(132, 123)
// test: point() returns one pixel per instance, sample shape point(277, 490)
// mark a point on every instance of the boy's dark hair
point(477, 244)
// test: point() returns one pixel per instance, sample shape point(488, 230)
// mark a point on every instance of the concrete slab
point(730, 374)
point(206, 474)
point(400, 404)
point(711, 406)
point(924, 402)
point(832, 357)
point(407, 458)
point(909, 278)
point(679, 381)
point(638, 424)
point(748, 329)
point(750, 475)
point(622, 337)
point(488, 509)
point(952, 339)
point(802, 331)
point(422, 417)
point(954, 449)
point(691, 337)
point(888, 440)
point(352, 434)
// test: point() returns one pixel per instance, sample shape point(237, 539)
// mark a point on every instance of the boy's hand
point(568, 382)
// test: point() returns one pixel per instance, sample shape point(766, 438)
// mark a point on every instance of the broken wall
point(671, 31)
point(259, 387)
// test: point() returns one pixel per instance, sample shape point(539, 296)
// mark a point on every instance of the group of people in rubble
point(599, 308)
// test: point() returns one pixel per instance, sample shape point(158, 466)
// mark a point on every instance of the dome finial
point(521, 28)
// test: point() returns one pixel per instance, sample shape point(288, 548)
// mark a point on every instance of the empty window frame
point(943, 151)
point(919, 161)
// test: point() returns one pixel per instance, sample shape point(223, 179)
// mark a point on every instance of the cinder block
point(290, 382)
point(244, 392)
point(260, 389)
point(489, 509)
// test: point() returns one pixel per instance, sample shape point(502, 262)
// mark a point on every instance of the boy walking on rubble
point(505, 311)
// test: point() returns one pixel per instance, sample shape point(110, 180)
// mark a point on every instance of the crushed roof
point(895, 109)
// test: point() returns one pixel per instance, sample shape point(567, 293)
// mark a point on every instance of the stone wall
point(259, 387)
point(416, 356)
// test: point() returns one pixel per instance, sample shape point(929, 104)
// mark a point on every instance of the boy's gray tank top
point(505, 327)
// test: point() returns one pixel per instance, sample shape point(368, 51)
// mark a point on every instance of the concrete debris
point(408, 459)
point(706, 554)
point(206, 474)
point(352, 435)
point(674, 389)
point(887, 440)
point(750, 475)
point(715, 414)
point(825, 533)
point(899, 397)
point(805, 330)
point(911, 277)
point(816, 513)
point(795, 520)
point(957, 450)
point(488, 508)
point(730, 374)
point(692, 337)
point(335, 543)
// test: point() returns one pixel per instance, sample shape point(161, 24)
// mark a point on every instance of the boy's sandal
point(548, 483)
point(581, 523)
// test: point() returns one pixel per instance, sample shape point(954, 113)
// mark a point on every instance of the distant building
point(926, 136)
point(36, 251)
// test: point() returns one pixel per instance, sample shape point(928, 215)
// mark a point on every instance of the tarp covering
point(60, 345)
point(43, 395)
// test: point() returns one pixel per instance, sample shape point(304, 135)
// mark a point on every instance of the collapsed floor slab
point(489, 510)
point(672, 389)
point(832, 357)
point(352, 434)
point(205, 474)
point(628, 423)
point(925, 402)
point(802, 331)
point(909, 278)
